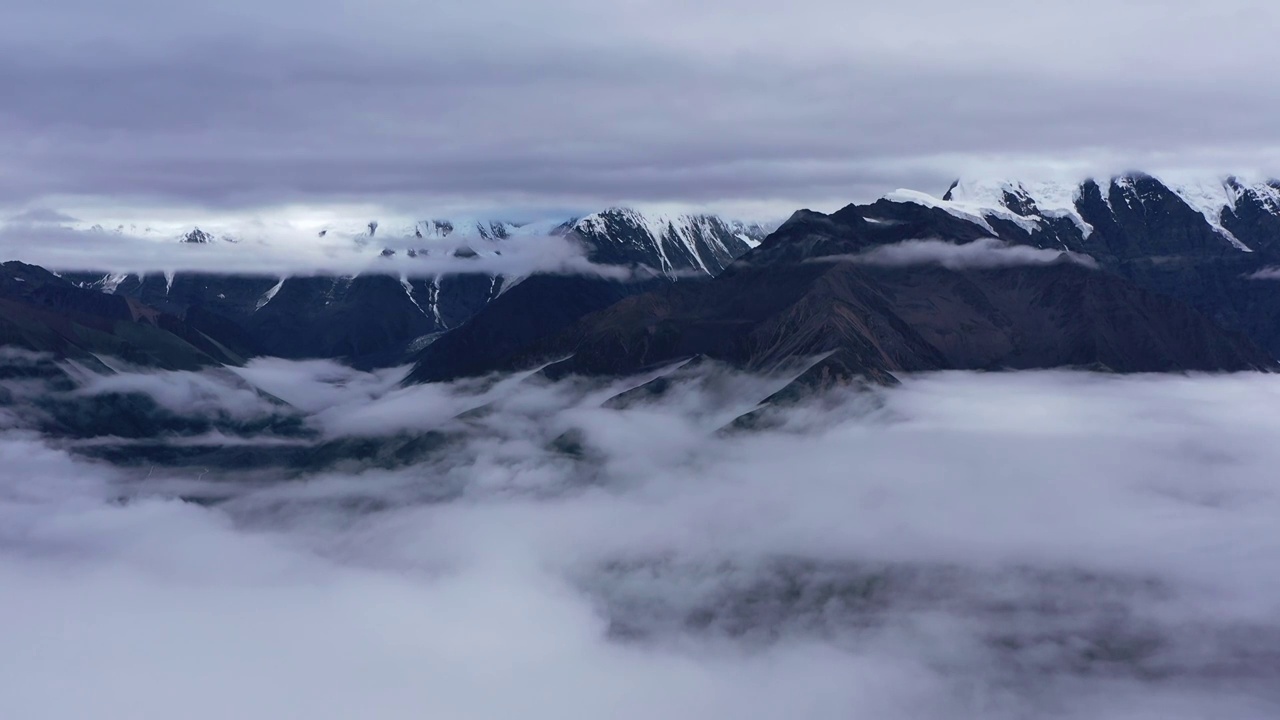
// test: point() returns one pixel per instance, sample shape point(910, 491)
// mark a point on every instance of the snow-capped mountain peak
point(1025, 201)
point(1038, 206)
point(670, 243)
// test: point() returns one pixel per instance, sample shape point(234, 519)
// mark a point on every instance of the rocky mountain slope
point(42, 313)
point(815, 288)
point(1209, 242)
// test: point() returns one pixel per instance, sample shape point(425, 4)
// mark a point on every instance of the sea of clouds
point(1047, 544)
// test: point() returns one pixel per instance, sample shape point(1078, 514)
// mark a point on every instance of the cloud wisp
point(984, 253)
point(1267, 273)
point(1069, 545)
point(282, 253)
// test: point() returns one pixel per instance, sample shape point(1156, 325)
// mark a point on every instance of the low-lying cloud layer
point(983, 253)
point(964, 546)
point(285, 252)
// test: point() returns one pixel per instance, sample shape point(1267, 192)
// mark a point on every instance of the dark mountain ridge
point(805, 291)
point(1203, 243)
point(42, 313)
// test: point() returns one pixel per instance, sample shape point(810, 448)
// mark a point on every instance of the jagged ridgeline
point(1127, 274)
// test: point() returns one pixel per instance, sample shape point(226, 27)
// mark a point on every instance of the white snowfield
point(1054, 199)
point(979, 200)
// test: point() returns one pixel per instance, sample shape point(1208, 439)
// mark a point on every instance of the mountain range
point(1129, 274)
point(379, 318)
point(1126, 275)
point(1132, 273)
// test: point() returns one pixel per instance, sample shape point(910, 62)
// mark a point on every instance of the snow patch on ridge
point(111, 283)
point(668, 235)
point(1266, 193)
point(433, 299)
point(1104, 188)
point(961, 210)
point(269, 295)
point(1052, 199)
point(408, 291)
point(1210, 198)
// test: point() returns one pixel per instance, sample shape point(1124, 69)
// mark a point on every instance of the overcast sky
point(242, 104)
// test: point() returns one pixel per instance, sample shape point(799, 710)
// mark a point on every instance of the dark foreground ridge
point(41, 312)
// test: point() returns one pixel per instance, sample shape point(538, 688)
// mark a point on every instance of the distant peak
point(802, 215)
point(197, 237)
point(43, 216)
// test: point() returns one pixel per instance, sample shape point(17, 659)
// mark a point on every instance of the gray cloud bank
point(244, 104)
point(62, 248)
point(979, 254)
point(1048, 544)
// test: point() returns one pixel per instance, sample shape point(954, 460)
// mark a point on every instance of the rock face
point(881, 320)
point(810, 291)
point(42, 313)
point(536, 308)
point(691, 244)
point(377, 319)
